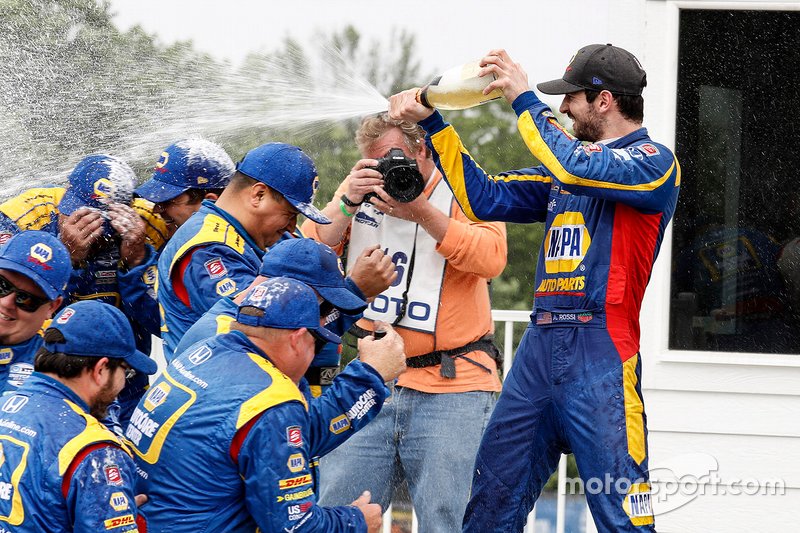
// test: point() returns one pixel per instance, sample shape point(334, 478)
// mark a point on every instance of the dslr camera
point(401, 178)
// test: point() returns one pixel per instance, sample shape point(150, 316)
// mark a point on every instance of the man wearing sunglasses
point(61, 469)
point(112, 248)
point(234, 401)
point(34, 271)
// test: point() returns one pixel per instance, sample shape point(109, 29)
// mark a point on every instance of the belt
point(447, 358)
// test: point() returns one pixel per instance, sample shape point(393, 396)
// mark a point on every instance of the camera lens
point(403, 183)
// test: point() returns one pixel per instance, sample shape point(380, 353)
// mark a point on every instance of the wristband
point(350, 203)
point(347, 213)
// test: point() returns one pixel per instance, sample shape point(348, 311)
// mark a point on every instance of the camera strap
point(409, 273)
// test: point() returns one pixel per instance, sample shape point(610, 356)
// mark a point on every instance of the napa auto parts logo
point(566, 243)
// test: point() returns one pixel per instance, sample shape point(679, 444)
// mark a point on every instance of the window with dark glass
point(736, 234)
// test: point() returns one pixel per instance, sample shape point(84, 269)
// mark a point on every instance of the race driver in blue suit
point(224, 436)
point(575, 382)
point(218, 251)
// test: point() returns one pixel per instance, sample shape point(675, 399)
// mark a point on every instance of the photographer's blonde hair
point(374, 127)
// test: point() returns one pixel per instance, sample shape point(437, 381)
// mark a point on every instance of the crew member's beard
point(590, 128)
point(105, 396)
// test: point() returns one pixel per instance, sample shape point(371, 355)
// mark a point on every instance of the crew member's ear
point(100, 372)
point(296, 339)
point(256, 193)
point(211, 196)
point(54, 306)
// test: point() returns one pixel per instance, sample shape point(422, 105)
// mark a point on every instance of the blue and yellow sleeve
point(643, 176)
point(512, 196)
point(274, 462)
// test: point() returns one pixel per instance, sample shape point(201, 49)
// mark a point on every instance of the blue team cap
point(187, 164)
point(40, 257)
point(316, 265)
point(95, 329)
point(283, 303)
point(288, 170)
point(96, 181)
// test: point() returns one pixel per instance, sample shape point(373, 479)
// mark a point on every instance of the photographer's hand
point(419, 210)
point(130, 226)
point(362, 179)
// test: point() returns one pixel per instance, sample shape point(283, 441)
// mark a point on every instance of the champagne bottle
point(458, 88)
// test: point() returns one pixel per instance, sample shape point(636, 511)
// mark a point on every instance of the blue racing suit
point(100, 277)
point(323, 368)
point(574, 385)
point(61, 470)
point(224, 397)
point(209, 257)
point(16, 362)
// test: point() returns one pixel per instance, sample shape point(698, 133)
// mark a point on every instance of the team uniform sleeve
point(274, 464)
point(354, 398)
point(642, 176)
point(205, 284)
point(513, 196)
point(137, 292)
point(101, 492)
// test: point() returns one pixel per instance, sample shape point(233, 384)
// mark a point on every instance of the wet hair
point(64, 365)
point(374, 127)
point(241, 181)
point(631, 107)
point(198, 195)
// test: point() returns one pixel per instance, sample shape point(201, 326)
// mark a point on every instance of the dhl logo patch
point(119, 521)
point(293, 483)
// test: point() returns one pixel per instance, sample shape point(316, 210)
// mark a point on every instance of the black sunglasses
point(325, 308)
point(319, 341)
point(23, 299)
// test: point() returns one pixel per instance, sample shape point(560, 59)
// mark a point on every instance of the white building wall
point(714, 418)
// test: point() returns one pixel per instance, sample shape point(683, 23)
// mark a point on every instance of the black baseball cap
point(600, 67)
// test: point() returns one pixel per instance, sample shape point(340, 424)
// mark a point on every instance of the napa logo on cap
point(566, 243)
point(161, 163)
point(103, 188)
point(41, 253)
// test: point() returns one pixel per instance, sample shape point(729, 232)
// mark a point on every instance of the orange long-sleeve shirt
point(475, 252)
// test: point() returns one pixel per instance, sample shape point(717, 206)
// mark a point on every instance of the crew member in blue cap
point(34, 271)
point(233, 401)
point(188, 172)
point(218, 251)
point(110, 247)
point(62, 470)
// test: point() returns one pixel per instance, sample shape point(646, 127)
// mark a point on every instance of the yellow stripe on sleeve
point(537, 146)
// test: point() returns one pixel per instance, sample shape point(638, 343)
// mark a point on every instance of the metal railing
point(508, 318)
